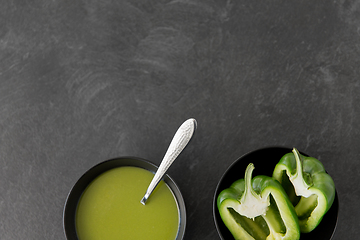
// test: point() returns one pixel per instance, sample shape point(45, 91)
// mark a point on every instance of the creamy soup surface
point(110, 208)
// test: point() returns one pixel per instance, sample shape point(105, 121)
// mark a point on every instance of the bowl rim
point(73, 197)
point(215, 209)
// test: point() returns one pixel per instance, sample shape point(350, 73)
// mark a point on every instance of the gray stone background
point(85, 81)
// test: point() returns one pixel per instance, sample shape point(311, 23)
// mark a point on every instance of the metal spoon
point(178, 143)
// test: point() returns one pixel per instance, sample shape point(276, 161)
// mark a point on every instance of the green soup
point(110, 208)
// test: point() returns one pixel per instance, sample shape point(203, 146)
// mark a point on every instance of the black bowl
point(80, 186)
point(264, 161)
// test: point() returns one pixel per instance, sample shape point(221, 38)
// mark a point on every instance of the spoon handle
point(178, 143)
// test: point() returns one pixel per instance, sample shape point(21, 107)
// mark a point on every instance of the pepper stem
point(252, 205)
point(299, 169)
point(298, 181)
point(248, 187)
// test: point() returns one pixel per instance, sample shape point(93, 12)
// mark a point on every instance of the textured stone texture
point(85, 81)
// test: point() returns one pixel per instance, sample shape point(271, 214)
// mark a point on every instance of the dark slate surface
point(85, 81)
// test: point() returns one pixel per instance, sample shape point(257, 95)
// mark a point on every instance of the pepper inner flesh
point(257, 228)
point(273, 216)
point(306, 206)
point(289, 188)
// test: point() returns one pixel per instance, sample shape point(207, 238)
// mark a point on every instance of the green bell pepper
point(310, 189)
point(258, 208)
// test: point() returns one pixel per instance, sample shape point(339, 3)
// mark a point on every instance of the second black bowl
point(264, 161)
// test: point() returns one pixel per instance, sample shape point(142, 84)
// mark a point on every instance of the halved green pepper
point(310, 189)
point(258, 208)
